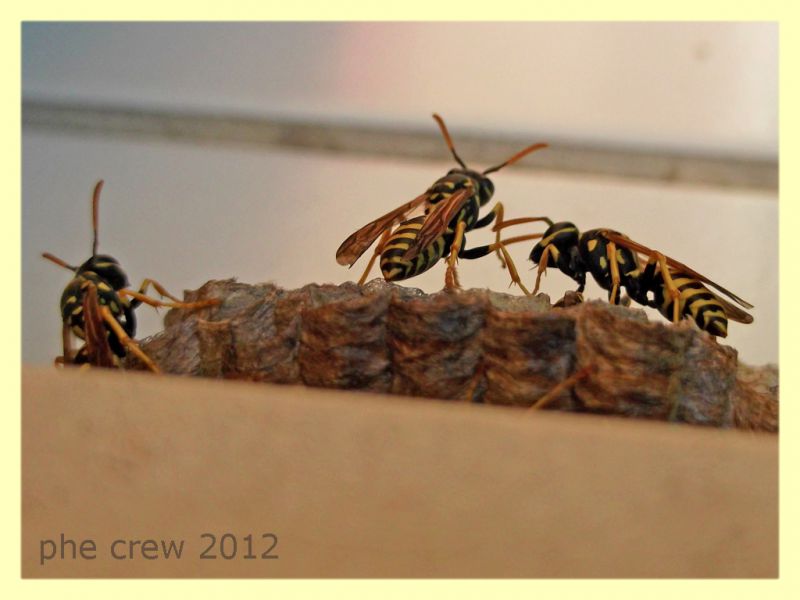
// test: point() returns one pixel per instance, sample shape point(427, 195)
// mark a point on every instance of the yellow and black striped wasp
point(97, 307)
point(451, 208)
point(674, 289)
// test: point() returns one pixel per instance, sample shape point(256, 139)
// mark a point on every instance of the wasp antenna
point(516, 157)
point(58, 261)
point(95, 208)
point(448, 140)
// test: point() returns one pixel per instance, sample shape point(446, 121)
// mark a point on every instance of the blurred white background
point(183, 213)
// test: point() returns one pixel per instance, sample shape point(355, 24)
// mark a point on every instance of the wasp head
point(107, 268)
point(480, 181)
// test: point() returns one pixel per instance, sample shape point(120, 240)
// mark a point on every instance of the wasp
point(615, 261)
point(97, 307)
point(451, 208)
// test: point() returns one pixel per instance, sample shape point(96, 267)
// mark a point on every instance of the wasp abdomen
point(696, 302)
point(393, 267)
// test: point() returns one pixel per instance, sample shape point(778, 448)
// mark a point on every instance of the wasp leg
point(611, 252)
point(481, 251)
point(502, 223)
point(560, 387)
point(671, 287)
point(507, 261)
point(159, 288)
point(378, 252)
point(140, 298)
point(66, 344)
point(545, 258)
point(500, 246)
point(451, 276)
point(126, 341)
point(512, 269)
point(487, 219)
point(502, 254)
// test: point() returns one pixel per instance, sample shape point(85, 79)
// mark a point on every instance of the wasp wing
point(678, 266)
point(97, 349)
point(437, 222)
point(734, 313)
point(355, 245)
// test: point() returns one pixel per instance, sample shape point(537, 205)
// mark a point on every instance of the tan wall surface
point(357, 485)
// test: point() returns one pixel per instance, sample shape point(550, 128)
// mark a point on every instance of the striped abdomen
point(392, 265)
point(696, 302)
point(396, 269)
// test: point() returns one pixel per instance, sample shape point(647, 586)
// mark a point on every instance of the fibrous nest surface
point(472, 346)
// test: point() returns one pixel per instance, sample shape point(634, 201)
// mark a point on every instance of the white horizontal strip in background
point(476, 149)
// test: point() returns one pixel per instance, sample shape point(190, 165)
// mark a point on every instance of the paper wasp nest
point(474, 345)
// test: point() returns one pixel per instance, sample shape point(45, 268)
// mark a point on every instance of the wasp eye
point(536, 253)
point(488, 186)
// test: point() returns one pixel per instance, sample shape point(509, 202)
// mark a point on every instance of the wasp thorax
point(107, 268)
point(479, 181)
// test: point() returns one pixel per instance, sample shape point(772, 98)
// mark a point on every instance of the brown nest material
point(472, 346)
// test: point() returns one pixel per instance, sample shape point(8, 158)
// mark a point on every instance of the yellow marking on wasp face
point(77, 310)
point(103, 287)
point(450, 184)
point(591, 244)
point(72, 300)
point(603, 263)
